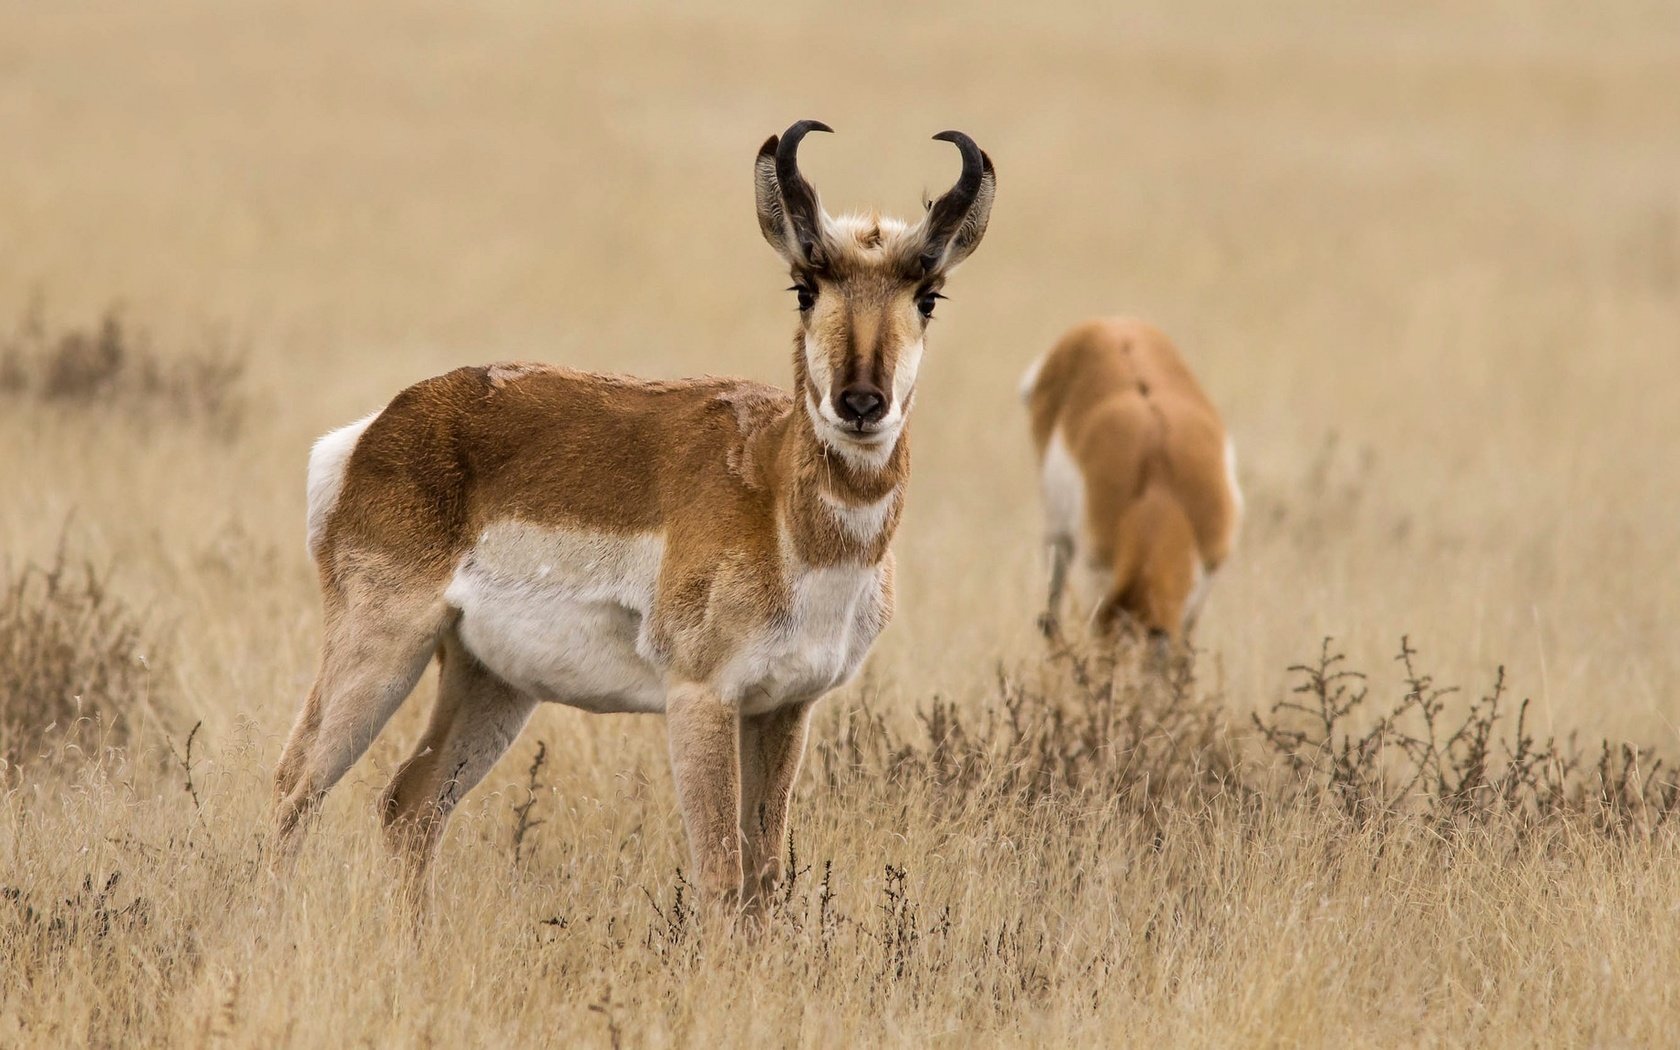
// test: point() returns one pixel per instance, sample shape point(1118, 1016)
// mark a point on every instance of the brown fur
point(741, 481)
point(1150, 449)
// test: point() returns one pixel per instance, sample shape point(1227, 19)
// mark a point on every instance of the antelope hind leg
point(374, 653)
point(1061, 552)
point(476, 719)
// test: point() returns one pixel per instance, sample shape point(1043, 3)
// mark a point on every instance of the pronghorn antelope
point(1139, 482)
point(713, 549)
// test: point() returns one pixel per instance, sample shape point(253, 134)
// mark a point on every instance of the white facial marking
point(822, 376)
point(904, 385)
point(869, 451)
point(328, 459)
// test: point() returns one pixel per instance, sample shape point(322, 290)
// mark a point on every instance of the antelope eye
point(807, 296)
point(926, 302)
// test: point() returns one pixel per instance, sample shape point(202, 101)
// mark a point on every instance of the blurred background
point(1426, 259)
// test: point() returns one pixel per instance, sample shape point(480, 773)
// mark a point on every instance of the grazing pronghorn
point(1140, 488)
point(713, 549)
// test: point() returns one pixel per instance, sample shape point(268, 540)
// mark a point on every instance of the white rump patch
point(1064, 491)
point(1236, 490)
point(327, 460)
point(1029, 378)
point(1201, 580)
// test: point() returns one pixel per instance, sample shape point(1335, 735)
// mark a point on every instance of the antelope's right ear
point(788, 213)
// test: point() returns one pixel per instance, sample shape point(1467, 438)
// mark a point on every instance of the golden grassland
point(1428, 263)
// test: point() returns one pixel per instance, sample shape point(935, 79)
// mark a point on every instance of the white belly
point(562, 614)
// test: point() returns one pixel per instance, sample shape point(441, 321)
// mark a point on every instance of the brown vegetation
point(110, 367)
point(76, 666)
point(1426, 262)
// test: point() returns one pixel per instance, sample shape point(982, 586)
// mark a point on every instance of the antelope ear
point(772, 217)
point(956, 222)
point(789, 215)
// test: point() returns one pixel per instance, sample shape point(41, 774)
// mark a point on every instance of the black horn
point(798, 197)
point(947, 215)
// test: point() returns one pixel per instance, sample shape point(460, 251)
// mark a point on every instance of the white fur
point(903, 385)
point(1236, 490)
point(851, 225)
point(327, 460)
point(1029, 378)
point(865, 521)
point(1064, 491)
point(834, 618)
point(822, 377)
point(868, 451)
point(562, 614)
point(1198, 590)
point(1063, 487)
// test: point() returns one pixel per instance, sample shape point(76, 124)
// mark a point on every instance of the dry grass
point(111, 368)
point(1429, 263)
point(76, 666)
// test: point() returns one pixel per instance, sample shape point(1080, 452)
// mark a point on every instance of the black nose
point(861, 403)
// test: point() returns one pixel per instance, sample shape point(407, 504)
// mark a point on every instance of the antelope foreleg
point(705, 762)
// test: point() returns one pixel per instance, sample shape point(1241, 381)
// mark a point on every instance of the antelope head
point(867, 287)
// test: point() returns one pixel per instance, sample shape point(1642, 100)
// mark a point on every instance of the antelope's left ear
point(955, 222)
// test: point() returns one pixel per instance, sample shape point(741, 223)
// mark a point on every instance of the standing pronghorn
point(713, 549)
point(1140, 488)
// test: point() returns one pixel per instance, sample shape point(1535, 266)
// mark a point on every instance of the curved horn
point(798, 196)
point(947, 215)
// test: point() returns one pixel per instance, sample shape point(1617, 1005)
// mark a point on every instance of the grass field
point(1426, 261)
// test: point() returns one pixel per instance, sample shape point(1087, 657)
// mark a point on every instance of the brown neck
point(838, 508)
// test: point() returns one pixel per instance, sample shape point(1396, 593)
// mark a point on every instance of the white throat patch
point(865, 521)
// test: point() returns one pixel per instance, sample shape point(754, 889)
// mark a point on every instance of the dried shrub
point(102, 926)
point(91, 913)
point(1413, 757)
point(111, 366)
point(1087, 724)
point(71, 653)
